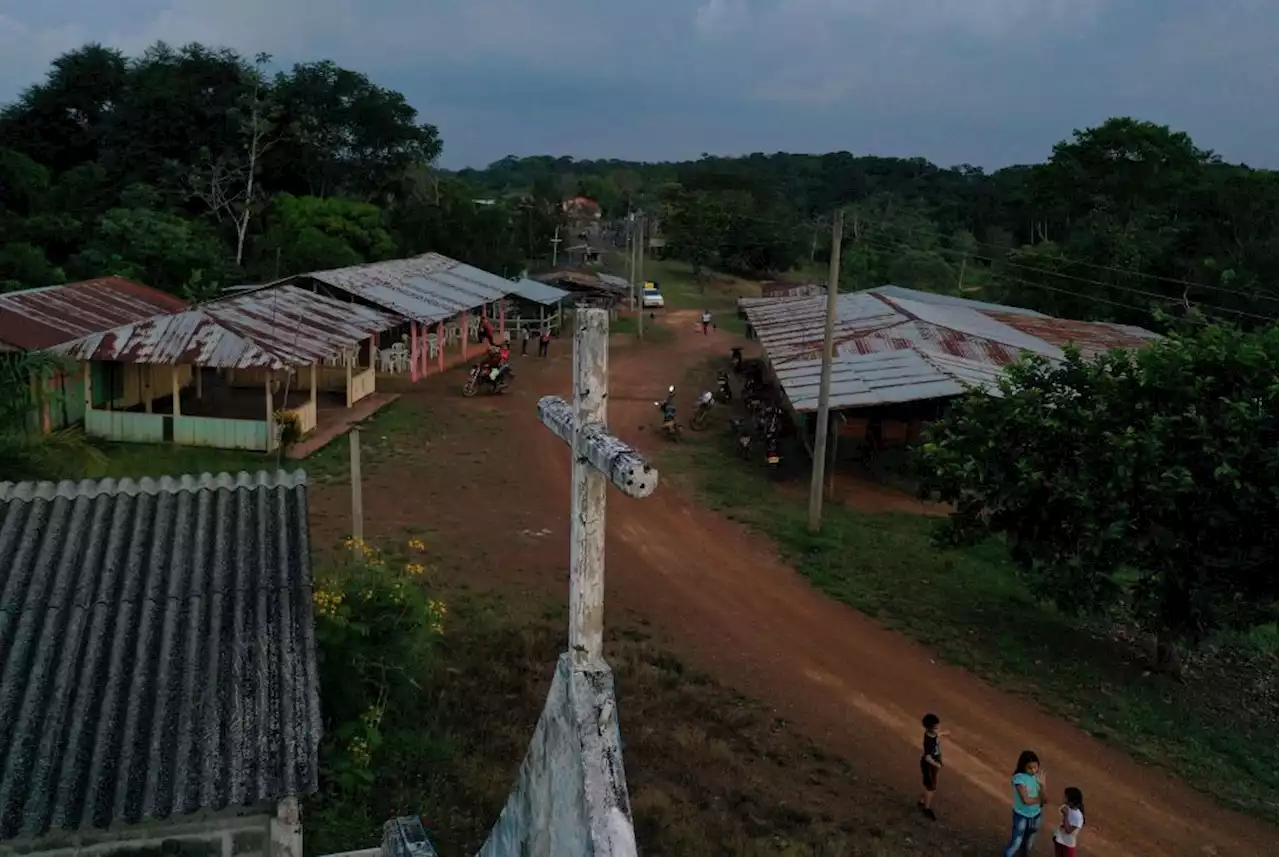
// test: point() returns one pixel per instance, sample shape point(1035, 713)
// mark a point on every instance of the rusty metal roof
point(422, 288)
point(1091, 337)
point(272, 328)
point(42, 318)
point(959, 342)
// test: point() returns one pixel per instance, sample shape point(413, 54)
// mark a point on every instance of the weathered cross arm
point(596, 455)
point(626, 468)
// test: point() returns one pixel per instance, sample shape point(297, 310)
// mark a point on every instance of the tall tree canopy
point(1144, 481)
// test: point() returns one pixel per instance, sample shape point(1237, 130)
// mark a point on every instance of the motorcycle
point(735, 360)
point(743, 434)
point(724, 392)
point(771, 457)
point(495, 380)
point(705, 402)
point(670, 427)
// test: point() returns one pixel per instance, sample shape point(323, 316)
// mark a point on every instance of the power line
point(1169, 299)
point(934, 233)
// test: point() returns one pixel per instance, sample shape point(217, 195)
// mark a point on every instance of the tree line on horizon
point(192, 168)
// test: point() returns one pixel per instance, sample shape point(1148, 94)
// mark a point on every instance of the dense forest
point(191, 168)
point(1118, 219)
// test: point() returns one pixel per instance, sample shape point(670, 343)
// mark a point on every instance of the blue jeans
point(1024, 835)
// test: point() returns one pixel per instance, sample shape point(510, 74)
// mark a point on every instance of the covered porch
point(200, 379)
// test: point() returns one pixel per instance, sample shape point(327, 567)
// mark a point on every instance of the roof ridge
point(187, 483)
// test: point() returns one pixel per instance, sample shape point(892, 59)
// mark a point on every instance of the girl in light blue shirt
point(1028, 804)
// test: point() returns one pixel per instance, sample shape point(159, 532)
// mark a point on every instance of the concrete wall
point(264, 831)
point(570, 799)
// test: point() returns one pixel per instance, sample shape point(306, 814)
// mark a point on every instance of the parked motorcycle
point(772, 458)
point(735, 360)
point(495, 380)
point(705, 403)
point(724, 392)
point(743, 436)
point(670, 427)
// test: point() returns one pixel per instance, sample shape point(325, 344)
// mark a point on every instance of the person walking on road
point(1028, 804)
point(930, 763)
point(1067, 833)
point(544, 341)
point(706, 321)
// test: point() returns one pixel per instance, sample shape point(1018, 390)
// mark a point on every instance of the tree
point(227, 183)
point(312, 234)
point(1142, 482)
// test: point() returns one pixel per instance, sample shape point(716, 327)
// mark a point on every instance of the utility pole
point(555, 247)
point(824, 389)
point(640, 278)
point(357, 493)
point(631, 260)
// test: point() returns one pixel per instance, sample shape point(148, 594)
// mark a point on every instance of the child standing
point(930, 763)
point(1068, 831)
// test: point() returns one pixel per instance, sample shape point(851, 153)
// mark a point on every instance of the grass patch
point(970, 606)
point(656, 331)
point(709, 772)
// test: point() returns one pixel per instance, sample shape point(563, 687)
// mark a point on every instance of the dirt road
point(731, 607)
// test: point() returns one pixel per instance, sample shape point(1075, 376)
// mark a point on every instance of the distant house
point(158, 683)
point(580, 208)
point(40, 319)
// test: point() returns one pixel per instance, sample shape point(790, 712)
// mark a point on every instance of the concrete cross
point(597, 456)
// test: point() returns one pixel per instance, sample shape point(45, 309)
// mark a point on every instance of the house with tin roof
point(158, 680)
point(39, 319)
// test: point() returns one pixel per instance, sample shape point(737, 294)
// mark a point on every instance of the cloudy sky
point(987, 82)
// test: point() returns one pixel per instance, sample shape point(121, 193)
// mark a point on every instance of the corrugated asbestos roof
point(532, 290)
point(958, 343)
point(274, 328)
point(42, 318)
point(157, 649)
point(423, 288)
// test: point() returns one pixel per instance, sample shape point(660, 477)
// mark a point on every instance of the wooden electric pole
point(824, 388)
point(555, 247)
point(357, 493)
point(640, 278)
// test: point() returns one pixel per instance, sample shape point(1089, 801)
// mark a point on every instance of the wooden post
point(177, 390)
point(462, 335)
point(144, 380)
point(88, 389)
point(347, 362)
point(314, 394)
point(440, 345)
point(271, 416)
point(196, 370)
point(357, 494)
point(824, 387)
point(597, 456)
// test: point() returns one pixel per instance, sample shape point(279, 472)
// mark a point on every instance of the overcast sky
point(986, 82)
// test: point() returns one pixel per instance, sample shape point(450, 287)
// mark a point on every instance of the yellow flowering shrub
point(376, 630)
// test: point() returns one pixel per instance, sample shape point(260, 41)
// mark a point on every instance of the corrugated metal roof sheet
point(956, 340)
point(1091, 337)
point(42, 318)
point(532, 290)
point(274, 328)
point(157, 649)
point(422, 288)
point(883, 378)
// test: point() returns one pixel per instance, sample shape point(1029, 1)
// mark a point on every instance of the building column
point(413, 351)
point(440, 345)
point(88, 388)
point(271, 415)
point(462, 322)
point(177, 390)
point(313, 388)
point(144, 379)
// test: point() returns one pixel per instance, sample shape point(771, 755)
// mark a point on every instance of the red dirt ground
point(728, 604)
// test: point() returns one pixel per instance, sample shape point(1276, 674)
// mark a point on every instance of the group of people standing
point(1029, 797)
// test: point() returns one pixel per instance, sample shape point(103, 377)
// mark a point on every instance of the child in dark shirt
point(930, 762)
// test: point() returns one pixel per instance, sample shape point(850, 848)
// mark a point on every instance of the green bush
point(376, 629)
